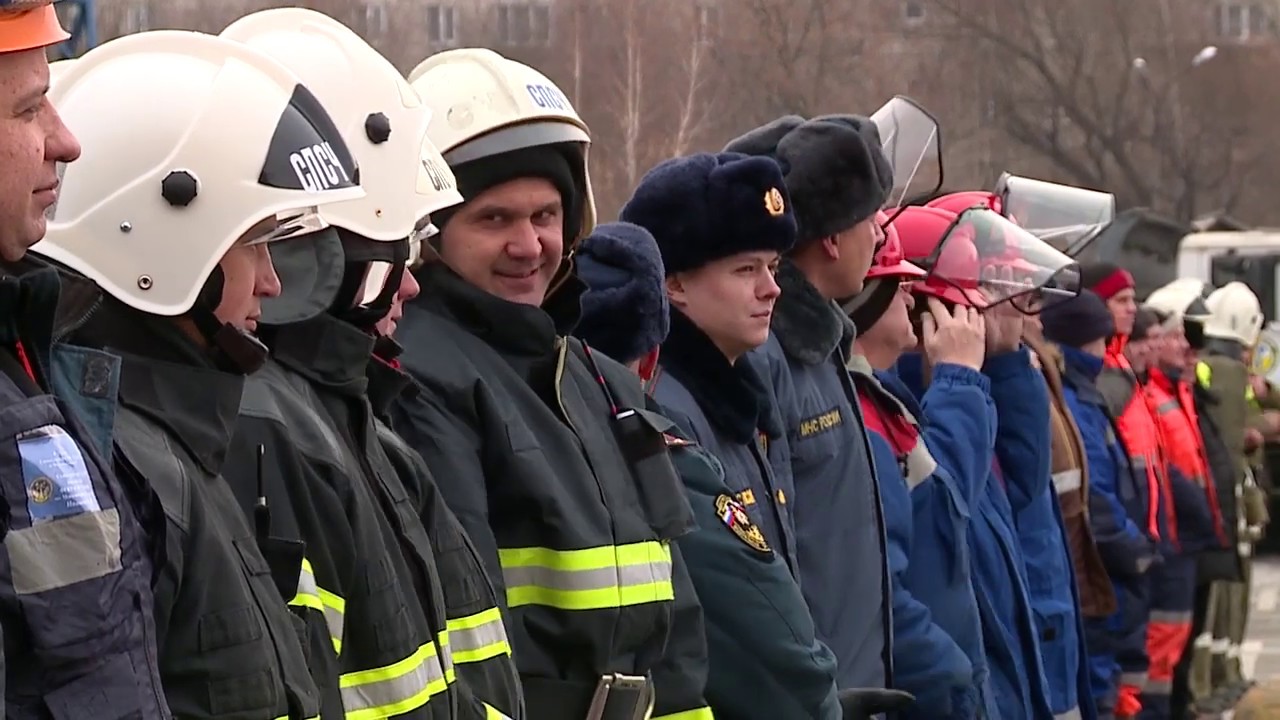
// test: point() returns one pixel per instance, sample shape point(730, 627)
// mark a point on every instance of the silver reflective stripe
point(311, 595)
point(1169, 617)
point(1167, 406)
point(920, 464)
point(478, 637)
point(1158, 687)
point(1138, 462)
point(1067, 481)
point(1072, 714)
point(65, 551)
point(393, 690)
point(1136, 679)
point(597, 579)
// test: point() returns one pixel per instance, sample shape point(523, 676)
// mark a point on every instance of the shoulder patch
point(734, 516)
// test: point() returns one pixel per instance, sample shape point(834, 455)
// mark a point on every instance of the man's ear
point(831, 247)
point(675, 290)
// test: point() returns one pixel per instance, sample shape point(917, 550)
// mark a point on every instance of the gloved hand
point(866, 703)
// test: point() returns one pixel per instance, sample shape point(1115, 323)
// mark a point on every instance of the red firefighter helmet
point(889, 260)
point(958, 202)
point(931, 238)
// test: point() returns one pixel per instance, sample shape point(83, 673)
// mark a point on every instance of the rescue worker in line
point(179, 254)
point(931, 466)
point(1120, 384)
point(1183, 301)
point(838, 177)
point(1060, 604)
point(765, 661)
point(1080, 329)
point(87, 554)
point(720, 249)
point(477, 635)
point(304, 440)
point(1022, 444)
point(566, 489)
point(1231, 331)
point(1169, 394)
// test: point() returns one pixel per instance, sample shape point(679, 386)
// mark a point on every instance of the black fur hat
point(704, 207)
point(835, 170)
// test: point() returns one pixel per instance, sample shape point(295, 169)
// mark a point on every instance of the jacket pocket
point(108, 693)
point(642, 438)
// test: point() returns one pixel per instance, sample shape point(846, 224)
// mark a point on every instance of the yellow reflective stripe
point(588, 579)
point(311, 595)
point(395, 689)
point(1204, 373)
point(492, 713)
point(290, 717)
point(478, 637)
point(703, 713)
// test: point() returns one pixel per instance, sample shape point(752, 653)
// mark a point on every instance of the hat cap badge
point(773, 202)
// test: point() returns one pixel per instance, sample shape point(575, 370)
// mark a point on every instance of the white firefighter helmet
point(58, 68)
point(378, 113)
point(1182, 299)
point(484, 105)
point(1234, 314)
point(191, 141)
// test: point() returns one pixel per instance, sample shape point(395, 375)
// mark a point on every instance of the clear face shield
point(911, 141)
point(1006, 264)
point(1068, 218)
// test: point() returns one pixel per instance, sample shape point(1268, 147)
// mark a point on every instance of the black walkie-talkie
point(261, 512)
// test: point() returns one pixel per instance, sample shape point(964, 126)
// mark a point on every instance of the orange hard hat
point(29, 25)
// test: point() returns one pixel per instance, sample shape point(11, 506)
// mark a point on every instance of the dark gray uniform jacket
point(229, 647)
point(766, 661)
point(838, 514)
point(75, 574)
point(477, 635)
point(575, 534)
point(378, 596)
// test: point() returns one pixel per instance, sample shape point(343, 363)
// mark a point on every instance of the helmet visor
point(991, 260)
point(1039, 205)
point(910, 140)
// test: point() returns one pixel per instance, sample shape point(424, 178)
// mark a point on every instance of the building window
point(708, 20)
point(524, 23)
point(913, 11)
point(375, 17)
point(1242, 21)
point(137, 19)
point(442, 24)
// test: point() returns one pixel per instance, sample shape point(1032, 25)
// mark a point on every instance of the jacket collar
point(387, 382)
point(869, 381)
point(1080, 372)
point(198, 405)
point(326, 350)
point(733, 397)
point(808, 326)
point(1225, 348)
point(511, 328)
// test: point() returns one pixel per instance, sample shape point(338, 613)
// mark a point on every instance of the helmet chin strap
point(232, 349)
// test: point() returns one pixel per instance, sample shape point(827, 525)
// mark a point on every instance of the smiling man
point(542, 448)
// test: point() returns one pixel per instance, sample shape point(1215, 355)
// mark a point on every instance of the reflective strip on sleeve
point(478, 637)
point(493, 713)
point(311, 595)
point(589, 579)
point(703, 713)
point(1067, 481)
point(1167, 407)
point(1204, 374)
point(395, 689)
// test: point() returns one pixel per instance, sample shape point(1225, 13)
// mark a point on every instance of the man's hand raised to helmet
point(1004, 328)
point(957, 337)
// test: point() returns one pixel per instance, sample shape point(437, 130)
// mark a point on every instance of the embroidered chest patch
point(821, 423)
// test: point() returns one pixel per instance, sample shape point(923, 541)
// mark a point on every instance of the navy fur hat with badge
point(835, 170)
point(624, 310)
point(701, 208)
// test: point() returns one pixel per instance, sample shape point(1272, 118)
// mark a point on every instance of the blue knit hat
point(701, 208)
point(1078, 321)
point(624, 310)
